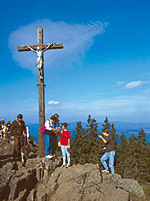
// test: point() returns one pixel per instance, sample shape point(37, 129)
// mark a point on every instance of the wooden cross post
point(39, 49)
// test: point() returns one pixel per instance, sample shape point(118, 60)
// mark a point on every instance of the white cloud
point(135, 84)
point(122, 104)
point(128, 108)
point(77, 38)
point(53, 102)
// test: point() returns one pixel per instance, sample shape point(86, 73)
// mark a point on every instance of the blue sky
point(103, 70)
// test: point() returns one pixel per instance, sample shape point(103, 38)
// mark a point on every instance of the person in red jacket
point(65, 144)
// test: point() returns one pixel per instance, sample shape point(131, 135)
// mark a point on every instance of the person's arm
point(49, 126)
point(50, 44)
point(32, 49)
point(59, 124)
point(11, 129)
point(4, 129)
point(102, 138)
point(69, 143)
point(24, 129)
point(58, 133)
point(69, 136)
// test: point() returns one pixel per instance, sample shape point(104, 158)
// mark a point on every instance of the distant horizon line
point(101, 122)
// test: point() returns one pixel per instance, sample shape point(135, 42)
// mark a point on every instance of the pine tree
point(132, 156)
point(93, 145)
point(123, 167)
point(107, 124)
point(78, 144)
point(142, 137)
point(86, 148)
point(143, 156)
point(139, 157)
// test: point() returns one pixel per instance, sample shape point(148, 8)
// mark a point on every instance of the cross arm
point(22, 48)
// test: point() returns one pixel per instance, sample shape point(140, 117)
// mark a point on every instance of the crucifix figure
point(40, 60)
point(39, 49)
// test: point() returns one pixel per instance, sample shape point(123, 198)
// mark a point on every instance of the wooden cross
point(41, 48)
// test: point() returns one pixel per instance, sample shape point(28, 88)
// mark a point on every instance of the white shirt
point(49, 125)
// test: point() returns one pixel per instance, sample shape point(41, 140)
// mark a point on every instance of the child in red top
point(65, 144)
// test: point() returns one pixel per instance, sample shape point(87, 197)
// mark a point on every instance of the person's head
point(105, 132)
point(2, 122)
point(8, 122)
point(53, 118)
point(20, 117)
point(64, 126)
point(56, 115)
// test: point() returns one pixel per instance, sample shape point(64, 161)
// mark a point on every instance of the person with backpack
point(51, 137)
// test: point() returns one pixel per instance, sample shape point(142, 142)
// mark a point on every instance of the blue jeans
point(50, 142)
point(109, 155)
point(47, 138)
point(64, 152)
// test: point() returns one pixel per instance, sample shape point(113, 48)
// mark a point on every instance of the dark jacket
point(109, 144)
point(18, 128)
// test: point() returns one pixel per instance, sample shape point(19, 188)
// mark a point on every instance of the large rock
point(43, 179)
point(131, 186)
point(85, 183)
point(6, 152)
point(18, 184)
point(17, 181)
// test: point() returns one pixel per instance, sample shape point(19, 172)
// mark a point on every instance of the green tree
point(123, 165)
point(106, 124)
point(93, 145)
point(86, 146)
point(78, 144)
point(143, 156)
point(139, 157)
point(132, 156)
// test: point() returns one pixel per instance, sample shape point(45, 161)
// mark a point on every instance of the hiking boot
point(68, 165)
point(49, 156)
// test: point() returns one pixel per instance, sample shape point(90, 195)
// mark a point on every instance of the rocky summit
point(43, 179)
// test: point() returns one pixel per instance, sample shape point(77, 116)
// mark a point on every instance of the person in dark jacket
point(110, 152)
point(18, 132)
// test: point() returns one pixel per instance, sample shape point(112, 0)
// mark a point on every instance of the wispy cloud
point(77, 38)
point(53, 102)
point(135, 84)
point(146, 91)
point(120, 83)
point(122, 104)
